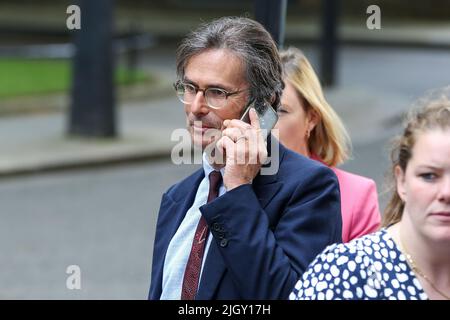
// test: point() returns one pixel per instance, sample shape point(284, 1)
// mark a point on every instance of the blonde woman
point(309, 126)
point(409, 258)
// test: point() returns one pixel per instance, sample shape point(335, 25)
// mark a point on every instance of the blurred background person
point(309, 126)
point(409, 258)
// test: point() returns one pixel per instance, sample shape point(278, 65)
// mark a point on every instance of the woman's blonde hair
point(329, 139)
point(429, 113)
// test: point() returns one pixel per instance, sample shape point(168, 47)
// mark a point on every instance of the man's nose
point(199, 105)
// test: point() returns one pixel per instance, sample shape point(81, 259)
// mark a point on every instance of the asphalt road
point(102, 220)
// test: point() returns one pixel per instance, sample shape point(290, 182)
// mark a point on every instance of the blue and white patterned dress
point(370, 267)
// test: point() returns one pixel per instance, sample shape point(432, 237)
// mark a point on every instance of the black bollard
point(272, 15)
point(92, 112)
point(329, 42)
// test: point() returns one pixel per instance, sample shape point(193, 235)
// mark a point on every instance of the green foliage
point(24, 77)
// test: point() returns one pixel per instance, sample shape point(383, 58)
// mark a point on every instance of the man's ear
point(272, 99)
point(400, 182)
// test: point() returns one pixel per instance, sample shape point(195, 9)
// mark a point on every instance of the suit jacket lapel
point(174, 206)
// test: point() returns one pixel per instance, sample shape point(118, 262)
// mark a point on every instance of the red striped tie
point(192, 272)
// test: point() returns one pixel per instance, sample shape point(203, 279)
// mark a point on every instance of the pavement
point(38, 142)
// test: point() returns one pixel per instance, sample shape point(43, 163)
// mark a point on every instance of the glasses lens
point(185, 92)
point(179, 90)
point(216, 98)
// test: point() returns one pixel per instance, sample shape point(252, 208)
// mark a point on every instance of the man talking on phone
point(229, 231)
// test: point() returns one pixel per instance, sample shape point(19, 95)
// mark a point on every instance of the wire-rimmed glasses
point(216, 98)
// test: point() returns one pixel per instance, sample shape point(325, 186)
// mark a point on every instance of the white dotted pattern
point(370, 267)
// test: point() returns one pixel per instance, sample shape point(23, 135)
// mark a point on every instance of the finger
point(233, 133)
point(219, 145)
point(242, 150)
point(252, 147)
point(258, 148)
point(254, 119)
point(219, 152)
point(242, 139)
point(236, 123)
point(237, 152)
point(262, 146)
point(262, 154)
point(230, 149)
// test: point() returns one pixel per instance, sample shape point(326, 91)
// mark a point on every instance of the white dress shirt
point(179, 248)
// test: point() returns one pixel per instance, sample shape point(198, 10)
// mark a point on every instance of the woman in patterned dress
point(409, 258)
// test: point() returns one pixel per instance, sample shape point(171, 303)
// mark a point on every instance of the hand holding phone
point(268, 117)
point(243, 146)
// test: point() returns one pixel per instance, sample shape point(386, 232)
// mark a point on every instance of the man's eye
point(190, 89)
point(216, 93)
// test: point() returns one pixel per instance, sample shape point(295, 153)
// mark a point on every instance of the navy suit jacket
point(265, 234)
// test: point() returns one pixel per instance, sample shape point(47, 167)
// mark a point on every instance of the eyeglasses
point(216, 98)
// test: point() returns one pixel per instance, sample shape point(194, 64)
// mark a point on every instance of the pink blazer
point(359, 205)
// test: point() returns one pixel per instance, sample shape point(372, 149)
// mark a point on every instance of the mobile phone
point(268, 117)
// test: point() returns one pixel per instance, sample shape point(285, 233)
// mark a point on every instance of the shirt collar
point(207, 168)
